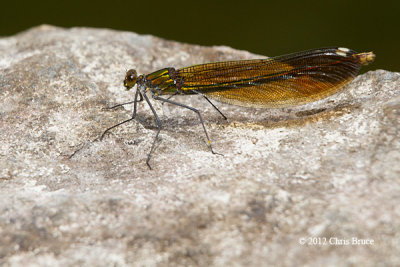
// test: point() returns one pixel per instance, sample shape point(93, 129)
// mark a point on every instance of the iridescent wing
point(282, 81)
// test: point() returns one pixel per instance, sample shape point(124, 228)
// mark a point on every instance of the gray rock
point(325, 170)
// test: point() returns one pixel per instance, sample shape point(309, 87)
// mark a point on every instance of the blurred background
point(268, 28)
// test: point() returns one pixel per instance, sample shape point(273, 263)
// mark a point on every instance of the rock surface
point(326, 170)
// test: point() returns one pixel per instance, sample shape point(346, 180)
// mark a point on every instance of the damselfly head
point(130, 79)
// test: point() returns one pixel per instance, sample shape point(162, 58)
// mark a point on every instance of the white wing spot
point(341, 54)
point(343, 49)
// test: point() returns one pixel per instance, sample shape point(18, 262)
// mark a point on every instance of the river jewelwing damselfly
point(282, 81)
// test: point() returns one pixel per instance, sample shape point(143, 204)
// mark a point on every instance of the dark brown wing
point(282, 81)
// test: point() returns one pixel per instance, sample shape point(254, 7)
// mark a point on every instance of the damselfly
point(282, 81)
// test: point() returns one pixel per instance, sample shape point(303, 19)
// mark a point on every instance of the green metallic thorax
point(161, 83)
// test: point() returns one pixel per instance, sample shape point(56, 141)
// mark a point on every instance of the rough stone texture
point(326, 170)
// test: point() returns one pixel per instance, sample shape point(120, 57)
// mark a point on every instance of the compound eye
point(130, 79)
